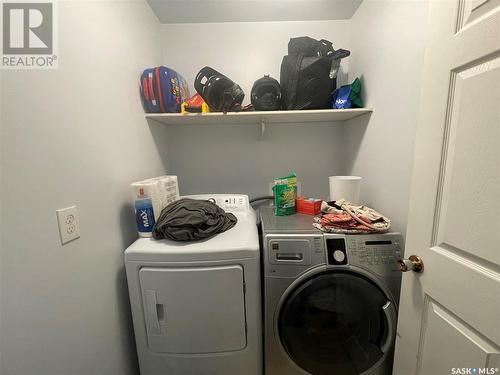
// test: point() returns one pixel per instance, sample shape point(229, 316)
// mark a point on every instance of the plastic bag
point(348, 96)
point(285, 193)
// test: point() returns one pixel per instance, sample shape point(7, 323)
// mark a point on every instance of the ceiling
point(209, 11)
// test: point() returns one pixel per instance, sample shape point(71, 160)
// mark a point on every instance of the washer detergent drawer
point(190, 310)
point(290, 251)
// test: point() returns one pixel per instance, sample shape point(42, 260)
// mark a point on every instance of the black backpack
point(309, 73)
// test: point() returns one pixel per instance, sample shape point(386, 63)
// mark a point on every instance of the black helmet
point(219, 92)
point(266, 94)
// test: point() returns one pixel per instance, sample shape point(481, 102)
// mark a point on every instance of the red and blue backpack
point(163, 90)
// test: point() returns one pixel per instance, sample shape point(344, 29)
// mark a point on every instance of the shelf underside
point(256, 117)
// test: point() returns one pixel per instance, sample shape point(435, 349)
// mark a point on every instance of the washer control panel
point(369, 251)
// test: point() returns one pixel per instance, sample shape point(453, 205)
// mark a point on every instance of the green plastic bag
point(285, 193)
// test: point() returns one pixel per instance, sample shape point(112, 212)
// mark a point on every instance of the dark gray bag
point(191, 220)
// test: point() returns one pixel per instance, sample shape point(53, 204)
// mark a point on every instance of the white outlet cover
point(67, 219)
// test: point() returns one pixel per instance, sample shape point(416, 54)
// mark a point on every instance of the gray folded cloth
point(191, 220)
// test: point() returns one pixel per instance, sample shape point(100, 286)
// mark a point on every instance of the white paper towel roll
point(169, 189)
point(346, 187)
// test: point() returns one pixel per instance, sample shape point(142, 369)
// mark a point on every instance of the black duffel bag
point(309, 73)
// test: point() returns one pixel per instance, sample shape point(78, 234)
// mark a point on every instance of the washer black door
point(333, 323)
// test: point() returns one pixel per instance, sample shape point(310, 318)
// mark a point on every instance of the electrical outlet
point(67, 219)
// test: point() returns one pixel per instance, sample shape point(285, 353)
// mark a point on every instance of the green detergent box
point(285, 193)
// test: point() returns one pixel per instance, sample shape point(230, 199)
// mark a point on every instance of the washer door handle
point(390, 317)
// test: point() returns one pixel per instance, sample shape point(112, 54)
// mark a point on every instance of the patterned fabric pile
point(344, 217)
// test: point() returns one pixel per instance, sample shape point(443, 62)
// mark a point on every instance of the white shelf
point(260, 117)
point(257, 117)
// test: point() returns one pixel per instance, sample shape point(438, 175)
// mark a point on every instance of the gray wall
point(68, 139)
point(75, 135)
point(232, 159)
point(387, 46)
point(190, 11)
point(386, 39)
point(1, 210)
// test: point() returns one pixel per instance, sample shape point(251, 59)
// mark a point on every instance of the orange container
point(308, 206)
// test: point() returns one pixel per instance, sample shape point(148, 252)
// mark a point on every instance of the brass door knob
point(413, 263)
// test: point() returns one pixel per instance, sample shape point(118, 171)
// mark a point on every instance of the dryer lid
point(239, 242)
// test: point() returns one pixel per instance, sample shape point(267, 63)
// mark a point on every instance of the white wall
point(233, 159)
point(387, 52)
point(75, 135)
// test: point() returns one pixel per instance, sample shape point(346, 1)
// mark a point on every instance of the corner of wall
point(382, 151)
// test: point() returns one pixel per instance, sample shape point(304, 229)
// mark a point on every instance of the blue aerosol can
point(144, 214)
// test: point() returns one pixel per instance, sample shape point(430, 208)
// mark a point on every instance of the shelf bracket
point(262, 128)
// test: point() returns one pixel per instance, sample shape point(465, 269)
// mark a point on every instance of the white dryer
point(196, 306)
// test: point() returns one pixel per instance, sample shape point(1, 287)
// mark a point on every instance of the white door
point(450, 314)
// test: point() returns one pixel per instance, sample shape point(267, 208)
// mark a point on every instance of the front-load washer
point(330, 300)
point(196, 306)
